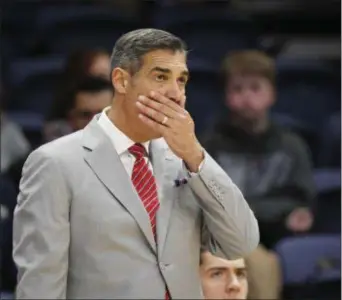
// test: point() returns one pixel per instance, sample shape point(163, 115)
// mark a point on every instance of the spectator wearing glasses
point(79, 64)
point(88, 98)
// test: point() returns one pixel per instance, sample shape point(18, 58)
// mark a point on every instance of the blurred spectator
point(13, 142)
point(90, 62)
point(269, 164)
point(80, 64)
point(7, 204)
point(89, 97)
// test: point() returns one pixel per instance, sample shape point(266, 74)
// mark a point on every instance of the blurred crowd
point(272, 121)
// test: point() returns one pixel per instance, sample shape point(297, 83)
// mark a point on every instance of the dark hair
point(91, 84)
point(79, 63)
point(130, 47)
point(202, 251)
point(88, 84)
point(76, 68)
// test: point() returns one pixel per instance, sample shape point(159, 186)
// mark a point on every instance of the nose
point(246, 95)
point(233, 285)
point(174, 92)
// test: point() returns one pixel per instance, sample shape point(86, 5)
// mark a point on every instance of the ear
point(120, 80)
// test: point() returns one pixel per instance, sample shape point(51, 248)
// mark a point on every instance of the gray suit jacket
point(81, 231)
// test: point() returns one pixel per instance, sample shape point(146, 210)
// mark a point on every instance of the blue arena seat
point(330, 142)
point(327, 211)
point(311, 266)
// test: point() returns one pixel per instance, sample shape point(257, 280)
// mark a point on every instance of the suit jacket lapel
point(165, 170)
point(106, 164)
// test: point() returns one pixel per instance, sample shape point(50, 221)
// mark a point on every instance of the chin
point(149, 134)
point(154, 135)
point(237, 297)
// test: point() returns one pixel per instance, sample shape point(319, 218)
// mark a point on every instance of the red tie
point(145, 185)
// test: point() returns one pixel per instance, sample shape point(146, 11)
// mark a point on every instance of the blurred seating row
point(62, 28)
point(308, 90)
point(308, 95)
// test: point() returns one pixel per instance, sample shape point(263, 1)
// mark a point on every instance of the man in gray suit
point(116, 210)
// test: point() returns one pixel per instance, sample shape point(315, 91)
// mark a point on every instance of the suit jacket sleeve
point(41, 230)
point(231, 228)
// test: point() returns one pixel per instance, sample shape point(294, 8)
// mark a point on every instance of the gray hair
point(130, 47)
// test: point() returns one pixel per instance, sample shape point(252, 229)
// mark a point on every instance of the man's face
point(249, 97)
point(223, 279)
point(87, 105)
point(163, 71)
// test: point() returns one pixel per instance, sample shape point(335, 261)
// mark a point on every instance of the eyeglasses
point(86, 114)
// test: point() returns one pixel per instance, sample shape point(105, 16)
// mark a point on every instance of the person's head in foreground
point(145, 61)
point(249, 87)
point(222, 278)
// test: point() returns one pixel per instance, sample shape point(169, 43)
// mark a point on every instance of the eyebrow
point(167, 71)
point(226, 268)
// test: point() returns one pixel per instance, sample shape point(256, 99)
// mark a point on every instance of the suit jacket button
point(162, 266)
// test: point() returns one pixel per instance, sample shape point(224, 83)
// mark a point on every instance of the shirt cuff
point(191, 174)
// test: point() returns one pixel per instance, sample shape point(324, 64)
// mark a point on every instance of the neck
point(118, 114)
point(253, 126)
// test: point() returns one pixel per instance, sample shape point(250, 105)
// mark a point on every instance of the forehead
point(246, 78)
point(210, 261)
point(168, 59)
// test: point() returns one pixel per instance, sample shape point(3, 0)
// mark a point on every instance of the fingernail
point(140, 116)
point(152, 94)
point(138, 103)
point(141, 98)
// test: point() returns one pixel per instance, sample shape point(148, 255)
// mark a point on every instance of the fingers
point(154, 115)
point(168, 102)
point(153, 124)
point(159, 107)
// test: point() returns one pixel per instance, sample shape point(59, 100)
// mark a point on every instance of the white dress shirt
point(121, 142)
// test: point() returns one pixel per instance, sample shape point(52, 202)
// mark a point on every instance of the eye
point(237, 88)
point(241, 273)
point(161, 77)
point(255, 87)
point(183, 80)
point(216, 274)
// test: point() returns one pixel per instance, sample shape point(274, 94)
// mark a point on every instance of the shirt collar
point(120, 141)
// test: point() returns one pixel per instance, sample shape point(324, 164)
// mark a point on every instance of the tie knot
point(137, 150)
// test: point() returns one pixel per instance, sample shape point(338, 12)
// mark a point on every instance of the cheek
point(263, 98)
point(161, 88)
point(244, 289)
point(213, 290)
point(234, 100)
